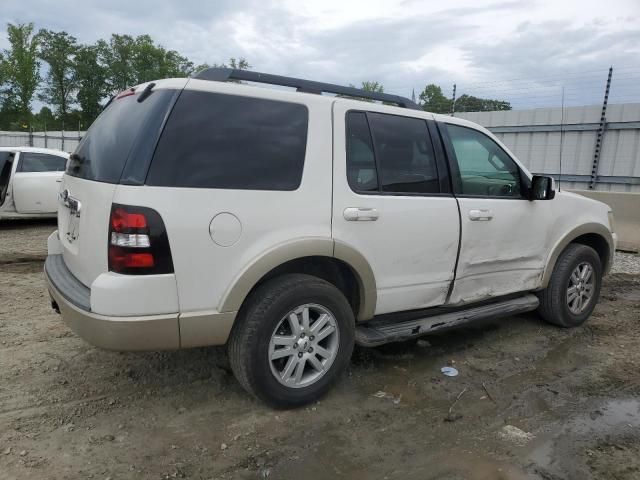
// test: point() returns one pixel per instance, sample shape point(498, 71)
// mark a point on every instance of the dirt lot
point(68, 410)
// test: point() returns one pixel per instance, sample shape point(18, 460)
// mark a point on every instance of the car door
point(36, 182)
point(504, 235)
point(6, 168)
point(391, 204)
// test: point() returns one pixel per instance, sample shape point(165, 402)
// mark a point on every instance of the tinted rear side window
point(120, 129)
point(214, 140)
point(40, 162)
point(361, 162)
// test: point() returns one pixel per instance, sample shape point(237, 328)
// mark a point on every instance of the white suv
point(290, 225)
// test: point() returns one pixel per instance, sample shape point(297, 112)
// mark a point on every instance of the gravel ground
point(626, 263)
point(531, 401)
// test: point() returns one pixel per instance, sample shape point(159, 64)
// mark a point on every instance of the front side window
point(40, 162)
point(214, 140)
point(396, 156)
point(485, 168)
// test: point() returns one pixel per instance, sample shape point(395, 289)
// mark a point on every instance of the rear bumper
point(151, 332)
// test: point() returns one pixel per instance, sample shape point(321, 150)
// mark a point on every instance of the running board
point(375, 333)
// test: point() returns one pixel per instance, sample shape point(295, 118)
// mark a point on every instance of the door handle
point(480, 215)
point(59, 181)
point(360, 214)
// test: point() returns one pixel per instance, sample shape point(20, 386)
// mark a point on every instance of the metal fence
point(584, 147)
point(58, 140)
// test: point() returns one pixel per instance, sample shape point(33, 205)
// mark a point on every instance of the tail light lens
point(138, 242)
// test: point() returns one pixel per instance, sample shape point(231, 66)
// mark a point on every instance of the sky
point(524, 51)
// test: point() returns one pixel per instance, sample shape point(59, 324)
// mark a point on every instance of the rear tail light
point(138, 242)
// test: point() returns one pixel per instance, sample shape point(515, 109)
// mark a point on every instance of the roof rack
point(307, 86)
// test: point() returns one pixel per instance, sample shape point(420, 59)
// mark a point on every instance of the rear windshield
point(119, 130)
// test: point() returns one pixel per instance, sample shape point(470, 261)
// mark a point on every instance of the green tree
point(469, 103)
point(369, 86)
point(45, 120)
point(152, 62)
point(91, 77)
point(235, 63)
point(117, 56)
point(58, 50)
point(131, 60)
point(20, 68)
point(433, 100)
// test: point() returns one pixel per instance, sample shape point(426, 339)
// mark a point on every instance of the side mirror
point(542, 188)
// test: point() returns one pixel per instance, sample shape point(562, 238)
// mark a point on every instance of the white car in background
point(30, 181)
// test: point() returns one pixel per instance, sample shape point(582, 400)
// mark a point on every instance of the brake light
point(138, 242)
point(126, 93)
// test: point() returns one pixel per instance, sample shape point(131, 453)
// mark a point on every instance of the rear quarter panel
point(205, 270)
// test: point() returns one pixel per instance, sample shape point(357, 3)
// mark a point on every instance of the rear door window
point(390, 153)
point(214, 140)
point(41, 162)
point(361, 162)
point(125, 126)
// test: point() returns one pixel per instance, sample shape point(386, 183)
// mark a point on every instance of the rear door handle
point(360, 214)
point(480, 215)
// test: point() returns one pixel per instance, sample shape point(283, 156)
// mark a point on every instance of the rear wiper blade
point(146, 92)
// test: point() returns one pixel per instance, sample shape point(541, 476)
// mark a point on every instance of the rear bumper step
point(375, 333)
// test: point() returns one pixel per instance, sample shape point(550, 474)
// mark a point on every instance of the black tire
point(553, 299)
point(258, 318)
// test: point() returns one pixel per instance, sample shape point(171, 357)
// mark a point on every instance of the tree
point(44, 120)
point(151, 61)
point(21, 71)
point(117, 56)
point(433, 100)
point(91, 77)
point(239, 64)
point(131, 60)
point(469, 103)
point(59, 50)
point(369, 86)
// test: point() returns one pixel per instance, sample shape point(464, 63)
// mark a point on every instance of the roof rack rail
point(307, 86)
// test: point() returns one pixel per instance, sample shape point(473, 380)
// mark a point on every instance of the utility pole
point(453, 103)
point(600, 135)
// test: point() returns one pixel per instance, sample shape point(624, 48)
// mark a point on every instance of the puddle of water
point(615, 416)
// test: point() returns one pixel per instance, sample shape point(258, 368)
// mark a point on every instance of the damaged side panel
point(502, 255)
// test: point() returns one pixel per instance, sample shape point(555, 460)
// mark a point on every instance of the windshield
point(104, 150)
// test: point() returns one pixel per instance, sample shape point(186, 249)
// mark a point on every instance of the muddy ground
point(69, 410)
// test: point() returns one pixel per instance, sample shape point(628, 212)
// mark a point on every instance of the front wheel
point(573, 290)
point(292, 339)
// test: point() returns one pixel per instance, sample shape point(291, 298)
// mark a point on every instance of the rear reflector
point(138, 242)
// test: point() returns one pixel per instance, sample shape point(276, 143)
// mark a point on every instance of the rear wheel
point(293, 338)
point(573, 290)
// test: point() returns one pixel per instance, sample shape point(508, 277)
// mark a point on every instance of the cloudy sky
point(523, 50)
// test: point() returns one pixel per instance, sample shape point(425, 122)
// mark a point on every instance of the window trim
point(456, 177)
point(440, 162)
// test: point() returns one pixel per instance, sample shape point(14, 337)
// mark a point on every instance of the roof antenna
point(561, 139)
